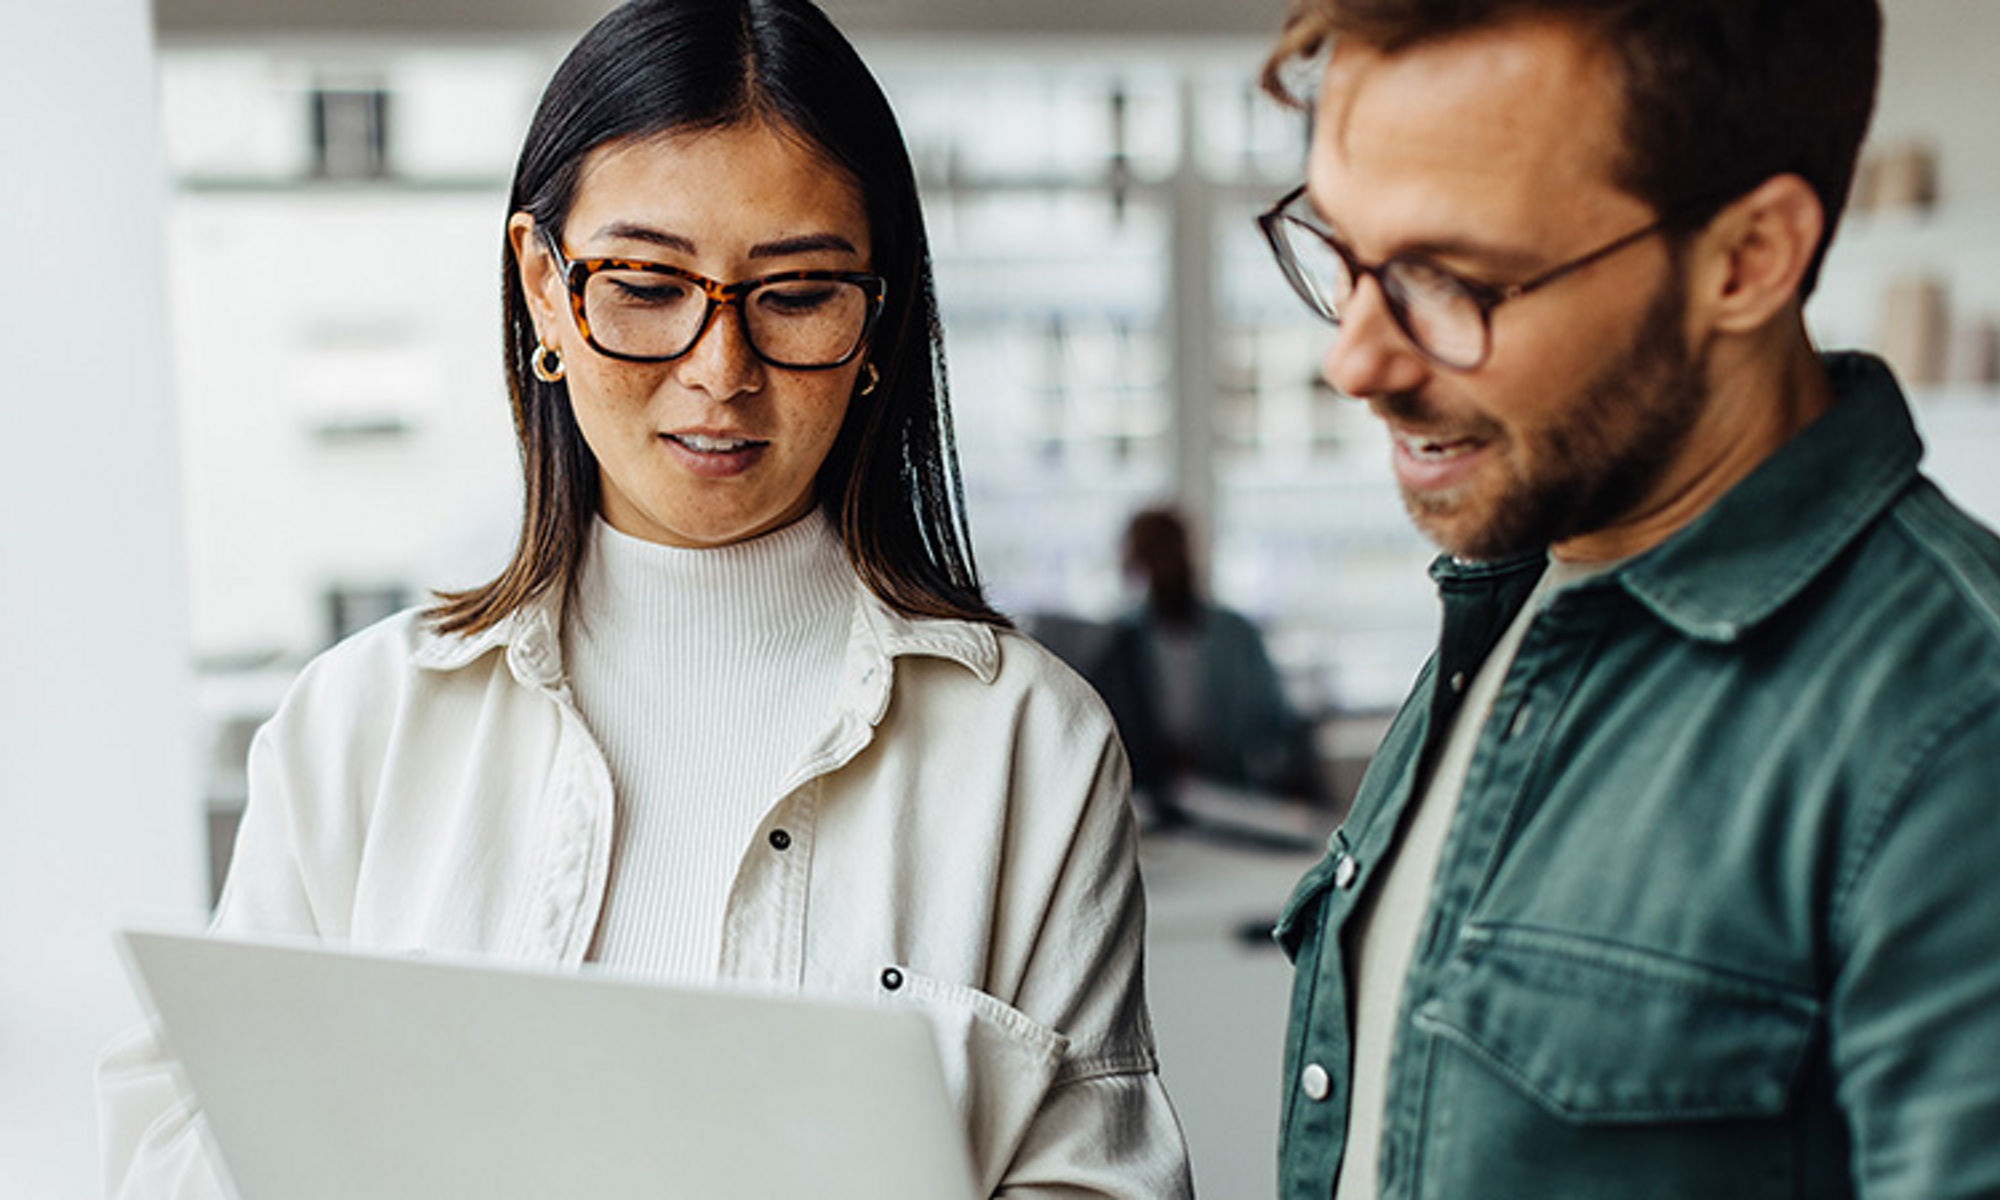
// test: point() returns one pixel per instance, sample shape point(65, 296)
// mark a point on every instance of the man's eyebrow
point(1484, 256)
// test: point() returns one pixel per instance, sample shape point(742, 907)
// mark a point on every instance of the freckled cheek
point(820, 409)
point(610, 392)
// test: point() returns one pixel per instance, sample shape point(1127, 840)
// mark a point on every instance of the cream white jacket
point(958, 838)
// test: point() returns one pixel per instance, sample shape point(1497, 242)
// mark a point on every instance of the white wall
point(97, 812)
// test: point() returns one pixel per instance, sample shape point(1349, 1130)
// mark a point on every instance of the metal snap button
point(892, 979)
point(1317, 1083)
point(1345, 872)
point(780, 840)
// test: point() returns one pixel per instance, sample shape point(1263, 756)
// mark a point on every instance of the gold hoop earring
point(543, 356)
point(874, 378)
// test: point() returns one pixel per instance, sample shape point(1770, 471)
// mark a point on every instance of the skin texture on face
point(1492, 153)
point(717, 446)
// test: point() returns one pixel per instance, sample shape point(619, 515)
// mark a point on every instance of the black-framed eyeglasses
point(641, 311)
point(1447, 317)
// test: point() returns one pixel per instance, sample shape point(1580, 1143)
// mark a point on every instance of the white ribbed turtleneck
point(703, 675)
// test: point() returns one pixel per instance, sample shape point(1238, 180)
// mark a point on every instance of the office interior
point(285, 418)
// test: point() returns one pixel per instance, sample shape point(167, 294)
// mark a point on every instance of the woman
point(1192, 687)
point(736, 709)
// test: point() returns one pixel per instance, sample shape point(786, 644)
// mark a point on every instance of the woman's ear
point(541, 276)
point(1753, 257)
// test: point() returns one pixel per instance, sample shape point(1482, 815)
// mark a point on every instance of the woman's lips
point(713, 455)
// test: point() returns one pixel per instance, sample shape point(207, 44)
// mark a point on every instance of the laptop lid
point(329, 1074)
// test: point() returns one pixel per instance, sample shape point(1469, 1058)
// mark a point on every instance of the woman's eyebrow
point(627, 231)
point(802, 244)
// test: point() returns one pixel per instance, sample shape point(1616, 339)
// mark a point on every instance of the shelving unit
point(1956, 246)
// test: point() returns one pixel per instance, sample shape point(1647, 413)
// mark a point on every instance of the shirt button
point(1345, 872)
point(1316, 1082)
point(780, 840)
point(1458, 681)
point(892, 979)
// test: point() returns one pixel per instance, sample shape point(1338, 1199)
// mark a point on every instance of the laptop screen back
point(327, 1075)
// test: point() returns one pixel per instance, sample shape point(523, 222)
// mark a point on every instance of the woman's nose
point(721, 362)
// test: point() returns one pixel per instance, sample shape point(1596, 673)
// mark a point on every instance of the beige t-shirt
point(1383, 936)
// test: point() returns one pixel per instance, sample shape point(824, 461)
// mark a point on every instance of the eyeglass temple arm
point(1503, 292)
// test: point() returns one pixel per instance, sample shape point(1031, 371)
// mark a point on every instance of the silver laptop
point(331, 1075)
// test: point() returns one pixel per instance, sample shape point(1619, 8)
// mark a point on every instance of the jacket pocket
point(999, 1062)
point(1594, 1031)
point(1568, 1065)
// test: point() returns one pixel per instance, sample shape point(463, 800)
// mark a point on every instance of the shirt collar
point(1771, 535)
point(531, 638)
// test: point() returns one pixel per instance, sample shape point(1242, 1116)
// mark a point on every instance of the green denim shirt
point(1719, 912)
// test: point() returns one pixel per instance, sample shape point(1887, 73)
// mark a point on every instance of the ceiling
point(478, 18)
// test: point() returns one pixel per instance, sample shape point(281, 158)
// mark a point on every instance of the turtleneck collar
point(794, 575)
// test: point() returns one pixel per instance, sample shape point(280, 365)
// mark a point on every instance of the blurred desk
point(1219, 987)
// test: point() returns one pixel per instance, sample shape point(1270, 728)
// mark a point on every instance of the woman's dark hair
point(1720, 95)
point(890, 483)
point(1156, 546)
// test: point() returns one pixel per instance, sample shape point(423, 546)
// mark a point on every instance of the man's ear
point(1752, 258)
point(541, 275)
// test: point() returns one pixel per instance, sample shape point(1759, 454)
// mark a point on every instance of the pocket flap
point(1596, 1031)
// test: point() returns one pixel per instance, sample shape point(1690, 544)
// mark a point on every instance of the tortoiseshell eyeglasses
point(650, 312)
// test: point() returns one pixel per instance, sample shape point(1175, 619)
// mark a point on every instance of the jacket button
point(892, 979)
point(1458, 681)
point(1316, 1082)
point(780, 840)
point(1345, 872)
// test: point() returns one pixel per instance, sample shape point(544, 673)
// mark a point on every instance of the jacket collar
point(1771, 535)
point(531, 638)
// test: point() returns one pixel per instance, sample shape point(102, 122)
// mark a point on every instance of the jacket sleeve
point(1914, 1019)
point(152, 1145)
point(1105, 1127)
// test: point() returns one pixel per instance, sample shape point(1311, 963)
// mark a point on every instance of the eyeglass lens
point(794, 322)
point(1429, 305)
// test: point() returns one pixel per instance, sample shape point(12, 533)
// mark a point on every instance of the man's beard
point(1601, 460)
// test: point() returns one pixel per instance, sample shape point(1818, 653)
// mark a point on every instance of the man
point(1671, 878)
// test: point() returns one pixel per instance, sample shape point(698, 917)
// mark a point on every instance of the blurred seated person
point(1191, 685)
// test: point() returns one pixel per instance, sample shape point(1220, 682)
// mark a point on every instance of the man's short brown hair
point(1720, 95)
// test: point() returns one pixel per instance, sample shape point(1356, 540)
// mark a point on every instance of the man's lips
point(1435, 462)
point(1430, 448)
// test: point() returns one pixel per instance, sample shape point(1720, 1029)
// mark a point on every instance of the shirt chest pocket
point(999, 1063)
point(1555, 1052)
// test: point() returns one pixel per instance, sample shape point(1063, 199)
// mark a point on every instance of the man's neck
point(1760, 397)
